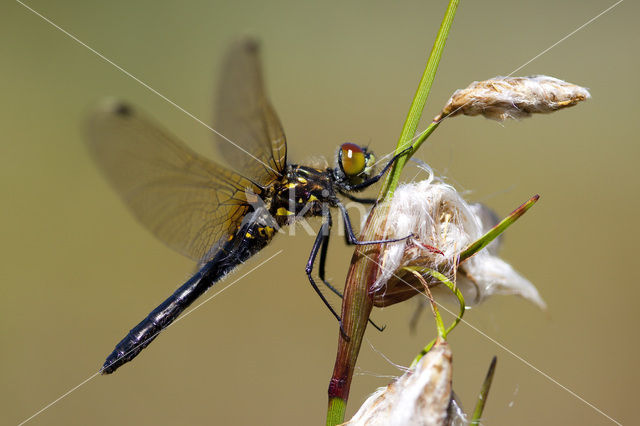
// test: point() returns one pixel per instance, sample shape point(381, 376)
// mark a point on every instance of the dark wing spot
point(122, 110)
point(251, 45)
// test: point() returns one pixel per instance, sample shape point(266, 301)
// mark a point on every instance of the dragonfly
point(218, 215)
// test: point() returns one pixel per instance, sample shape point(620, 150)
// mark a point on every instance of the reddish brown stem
point(357, 304)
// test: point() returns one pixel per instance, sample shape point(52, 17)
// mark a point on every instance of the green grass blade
point(419, 101)
point(493, 233)
point(444, 280)
point(346, 358)
point(484, 393)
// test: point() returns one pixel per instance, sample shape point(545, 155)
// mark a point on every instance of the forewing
point(187, 201)
point(254, 142)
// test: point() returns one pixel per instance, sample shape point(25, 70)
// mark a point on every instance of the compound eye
point(352, 159)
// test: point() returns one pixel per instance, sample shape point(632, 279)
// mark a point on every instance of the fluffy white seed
point(443, 224)
point(420, 397)
point(501, 98)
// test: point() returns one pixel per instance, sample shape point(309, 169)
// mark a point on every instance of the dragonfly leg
point(358, 199)
point(324, 231)
point(321, 267)
point(321, 274)
point(351, 236)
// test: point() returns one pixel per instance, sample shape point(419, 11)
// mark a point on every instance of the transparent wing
point(187, 201)
point(245, 117)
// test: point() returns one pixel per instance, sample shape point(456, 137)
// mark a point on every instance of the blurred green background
point(78, 271)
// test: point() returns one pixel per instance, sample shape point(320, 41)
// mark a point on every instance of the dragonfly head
point(355, 164)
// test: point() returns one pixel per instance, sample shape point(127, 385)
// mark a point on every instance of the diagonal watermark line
point(232, 283)
point(538, 55)
point(518, 357)
point(52, 403)
point(520, 67)
point(533, 367)
point(145, 85)
point(565, 37)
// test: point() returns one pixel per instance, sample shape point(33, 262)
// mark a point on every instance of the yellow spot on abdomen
point(283, 212)
point(269, 230)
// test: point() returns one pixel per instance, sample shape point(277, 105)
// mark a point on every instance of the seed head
point(501, 98)
point(442, 225)
point(421, 396)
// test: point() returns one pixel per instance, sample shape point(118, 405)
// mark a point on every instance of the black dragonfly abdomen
point(247, 241)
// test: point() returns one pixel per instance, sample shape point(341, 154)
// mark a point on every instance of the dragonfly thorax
point(303, 192)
